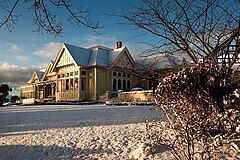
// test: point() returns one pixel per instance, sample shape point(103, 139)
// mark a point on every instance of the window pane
point(83, 84)
point(114, 84)
point(67, 84)
point(119, 84)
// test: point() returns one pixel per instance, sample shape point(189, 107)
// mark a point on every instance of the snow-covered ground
point(73, 131)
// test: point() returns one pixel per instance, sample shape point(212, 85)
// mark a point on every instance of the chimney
point(118, 44)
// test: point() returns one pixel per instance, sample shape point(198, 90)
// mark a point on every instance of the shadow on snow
point(20, 152)
point(39, 120)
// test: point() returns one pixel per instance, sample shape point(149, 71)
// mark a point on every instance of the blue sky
point(22, 50)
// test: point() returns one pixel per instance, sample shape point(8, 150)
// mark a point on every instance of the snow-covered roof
point(43, 69)
point(160, 61)
point(39, 74)
point(99, 46)
point(79, 54)
point(97, 55)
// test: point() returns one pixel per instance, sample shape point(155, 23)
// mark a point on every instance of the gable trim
point(61, 51)
point(125, 50)
point(33, 76)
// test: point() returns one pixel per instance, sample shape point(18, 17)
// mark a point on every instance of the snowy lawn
point(72, 131)
point(30, 118)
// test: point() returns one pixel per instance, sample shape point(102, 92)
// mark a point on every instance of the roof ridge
point(66, 44)
point(100, 47)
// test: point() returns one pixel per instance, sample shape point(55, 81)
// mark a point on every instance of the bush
point(4, 88)
point(200, 103)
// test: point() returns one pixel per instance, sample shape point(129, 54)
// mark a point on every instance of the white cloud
point(22, 58)
point(14, 74)
point(49, 50)
point(11, 47)
point(106, 40)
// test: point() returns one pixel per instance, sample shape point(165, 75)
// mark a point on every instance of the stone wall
point(136, 96)
point(28, 101)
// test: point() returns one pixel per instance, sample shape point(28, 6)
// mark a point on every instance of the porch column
point(36, 92)
point(44, 90)
point(56, 90)
point(95, 83)
point(79, 82)
point(74, 84)
point(52, 89)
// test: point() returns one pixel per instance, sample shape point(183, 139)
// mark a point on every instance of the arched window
point(119, 84)
point(124, 85)
point(114, 84)
point(128, 84)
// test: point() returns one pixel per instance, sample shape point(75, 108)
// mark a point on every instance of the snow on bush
point(201, 104)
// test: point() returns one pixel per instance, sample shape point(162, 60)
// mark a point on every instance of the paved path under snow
point(39, 117)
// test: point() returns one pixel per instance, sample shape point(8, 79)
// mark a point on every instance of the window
point(124, 75)
point(119, 84)
point(114, 73)
point(84, 73)
point(59, 76)
point(124, 85)
point(67, 84)
point(150, 84)
point(114, 84)
point(128, 84)
point(53, 90)
point(71, 83)
point(71, 73)
point(67, 74)
point(83, 83)
point(128, 75)
point(119, 74)
point(76, 72)
point(63, 75)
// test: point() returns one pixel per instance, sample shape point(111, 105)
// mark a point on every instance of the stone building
point(79, 74)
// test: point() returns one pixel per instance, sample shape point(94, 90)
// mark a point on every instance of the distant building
point(15, 91)
point(156, 67)
point(228, 52)
point(79, 74)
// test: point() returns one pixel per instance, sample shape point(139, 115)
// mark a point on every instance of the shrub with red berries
point(199, 102)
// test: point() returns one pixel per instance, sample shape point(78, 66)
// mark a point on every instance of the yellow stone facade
point(80, 74)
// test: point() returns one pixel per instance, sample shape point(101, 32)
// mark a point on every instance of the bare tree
point(200, 102)
point(193, 27)
point(198, 127)
point(45, 16)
